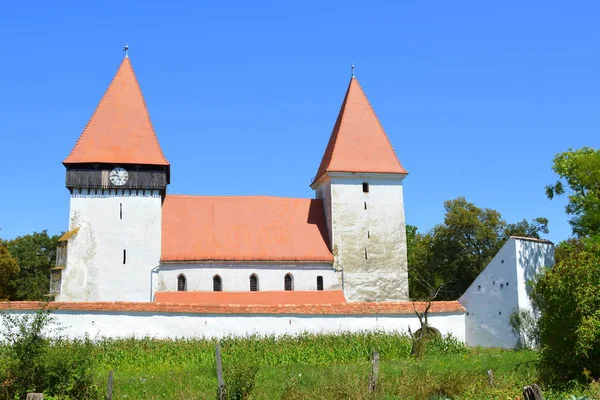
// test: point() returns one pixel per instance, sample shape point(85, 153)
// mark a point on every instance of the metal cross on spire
point(352, 66)
point(125, 50)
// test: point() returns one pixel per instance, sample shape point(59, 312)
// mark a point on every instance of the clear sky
point(476, 96)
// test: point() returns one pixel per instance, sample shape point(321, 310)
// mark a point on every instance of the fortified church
point(137, 260)
point(130, 240)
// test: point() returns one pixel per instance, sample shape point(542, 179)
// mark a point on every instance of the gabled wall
point(501, 289)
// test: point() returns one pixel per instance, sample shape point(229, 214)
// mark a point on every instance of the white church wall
point(78, 324)
point(109, 224)
point(236, 277)
point(369, 236)
point(500, 290)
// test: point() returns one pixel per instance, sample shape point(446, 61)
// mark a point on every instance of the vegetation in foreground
point(304, 367)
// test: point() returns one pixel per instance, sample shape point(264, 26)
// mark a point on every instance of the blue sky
point(476, 97)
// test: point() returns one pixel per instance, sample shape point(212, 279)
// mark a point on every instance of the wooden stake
point(221, 392)
point(532, 392)
point(374, 371)
point(109, 394)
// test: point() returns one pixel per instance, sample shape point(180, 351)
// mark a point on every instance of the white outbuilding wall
point(501, 289)
point(78, 324)
point(110, 224)
point(236, 277)
point(368, 233)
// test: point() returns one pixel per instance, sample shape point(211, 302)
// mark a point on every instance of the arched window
point(253, 283)
point(288, 282)
point(181, 283)
point(319, 283)
point(217, 286)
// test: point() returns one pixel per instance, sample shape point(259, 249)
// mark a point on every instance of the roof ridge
point(137, 84)
point(96, 109)
point(379, 122)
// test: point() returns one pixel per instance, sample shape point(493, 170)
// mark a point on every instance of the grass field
point(309, 367)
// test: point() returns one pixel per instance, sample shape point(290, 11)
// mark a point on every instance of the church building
point(130, 240)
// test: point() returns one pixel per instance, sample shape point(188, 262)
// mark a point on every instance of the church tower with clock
point(117, 176)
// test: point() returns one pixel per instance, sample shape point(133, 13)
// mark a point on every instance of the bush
point(569, 301)
point(34, 363)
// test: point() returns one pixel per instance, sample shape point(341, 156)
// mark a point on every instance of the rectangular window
point(319, 283)
point(124, 256)
point(365, 187)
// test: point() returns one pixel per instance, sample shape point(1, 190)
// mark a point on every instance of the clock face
point(118, 176)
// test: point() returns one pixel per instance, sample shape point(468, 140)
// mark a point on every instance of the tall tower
point(117, 176)
point(360, 183)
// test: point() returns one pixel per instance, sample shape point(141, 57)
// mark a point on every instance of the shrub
point(569, 301)
point(34, 363)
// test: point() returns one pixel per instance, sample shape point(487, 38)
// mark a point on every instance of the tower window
point(319, 283)
point(217, 286)
point(366, 256)
point(124, 256)
point(181, 283)
point(478, 288)
point(253, 283)
point(120, 210)
point(288, 282)
point(365, 187)
point(365, 205)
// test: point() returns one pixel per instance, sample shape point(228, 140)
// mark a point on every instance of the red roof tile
point(358, 142)
point(196, 228)
point(120, 130)
point(304, 309)
point(264, 298)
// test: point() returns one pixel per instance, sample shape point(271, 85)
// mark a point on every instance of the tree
point(9, 269)
point(579, 178)
point(36, 254)
point(569, 301)
point(454, 253)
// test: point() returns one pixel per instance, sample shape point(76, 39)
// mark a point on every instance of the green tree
point(452, 254)
point(35, 254)
point(569, 300)
point(9, 269)
point(579, 179)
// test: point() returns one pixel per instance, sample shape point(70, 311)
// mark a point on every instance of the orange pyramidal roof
point(358, 142)
point(120, 130)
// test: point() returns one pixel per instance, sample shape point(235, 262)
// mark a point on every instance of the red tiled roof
point(358, 142)
point(197, 228)
point(264, 298)
point(304, 309)
point(120, 130)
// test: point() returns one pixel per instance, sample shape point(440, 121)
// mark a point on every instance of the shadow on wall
point(534, 259)
point(316, 216)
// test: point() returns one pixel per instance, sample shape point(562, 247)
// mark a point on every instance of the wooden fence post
point(491, 377)
point(221, 391)
point(35, 396)
point(109, 395)
point(532, 392)
point(374, 371)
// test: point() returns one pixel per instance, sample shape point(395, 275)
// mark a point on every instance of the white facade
point(99, 324)
point(368, 234)
point(236, 277)
point(501, 289)
point(118, 244)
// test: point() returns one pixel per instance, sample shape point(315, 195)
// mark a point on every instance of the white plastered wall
point(368, 234)
point(236, 277)
point(500, 290)
point(172, 325)
point(95, 270)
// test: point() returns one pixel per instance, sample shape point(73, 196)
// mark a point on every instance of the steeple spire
point(358, 142)
point(120, 130)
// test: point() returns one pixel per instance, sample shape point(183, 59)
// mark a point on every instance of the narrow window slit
point(365, 205)
point(366, 257)
point(319, 283)
point(124, 256)
point(365, 186)
point(120, 210)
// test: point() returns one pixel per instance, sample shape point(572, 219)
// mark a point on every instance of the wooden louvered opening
point(217, 285)
point(288, 282)
point(181, 283)
point(253, 283)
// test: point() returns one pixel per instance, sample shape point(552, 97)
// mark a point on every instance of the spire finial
point(125, 48)
point(352, 66)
